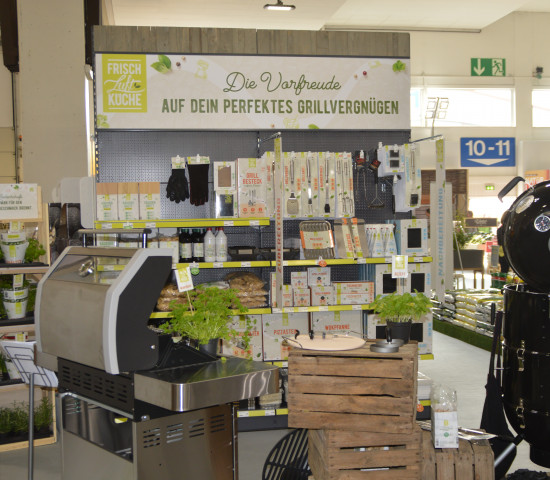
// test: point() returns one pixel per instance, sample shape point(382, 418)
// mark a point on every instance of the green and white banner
point(136, 91)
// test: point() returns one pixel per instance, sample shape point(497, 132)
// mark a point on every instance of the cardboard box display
point(322, 295)
point(411, 236)
point(298, 279)
point(353, 293)
point(149, 200)
point(288, 299)
point(420, 278)
point(251, 186)
point(277, 326)
point(318, 276)
point(225, 180)
point(337, 322)
point(107, 201)
point(302, 297)
point(128, 200)
point(384, 284)
point(422, 331)
point(238, 323)
point(350, 238)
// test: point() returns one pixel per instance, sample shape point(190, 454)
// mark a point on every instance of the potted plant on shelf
point(399, 311)
point(204, 319)
point(43, 417)
point(28, 250)
point(14, 299)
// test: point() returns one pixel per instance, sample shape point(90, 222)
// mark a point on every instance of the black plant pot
point(211, 348)
point(400, 330)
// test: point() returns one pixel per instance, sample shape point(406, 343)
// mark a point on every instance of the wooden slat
point(483, 460)
point(350, 421)
point(428, 457)
point(350, 404)
point(464, 461)
point(127, 39)
point(353, 367)
point(349, 386)
point(347, 439)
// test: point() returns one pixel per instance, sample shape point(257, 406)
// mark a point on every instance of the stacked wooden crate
point(359, 407)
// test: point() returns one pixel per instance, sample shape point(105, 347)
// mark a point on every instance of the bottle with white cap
point(221, 246)
point(209, 246)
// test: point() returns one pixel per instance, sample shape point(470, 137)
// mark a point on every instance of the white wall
point(443, 59)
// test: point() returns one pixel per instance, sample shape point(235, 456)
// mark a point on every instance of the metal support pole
point(31, 425)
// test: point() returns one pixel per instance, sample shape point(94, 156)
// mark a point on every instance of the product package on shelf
point(420, 278)
point(149, 200)
point(292, 179)
point(252, 178)
point(384, 284)
point(407, 190)
point(278, 326)
point(375, 240)
point(322, 295)
point(353, 293)
point(298, 279)
point(411, 236)
point(318, 276)
point(345, 205)
point(327, 185)
point(317, 239)
point(302, 297)
point(107, 201)
point(128, 200)
point(225, 190)
point(250, 288)
point(197, 170)
point(337, 322)
point(391, 160)
point(310, 185)
point(421, 331)
point(239, 324)
point(351, 238)
point(288, 298)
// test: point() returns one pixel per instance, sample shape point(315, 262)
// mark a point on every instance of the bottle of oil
point(186, 246)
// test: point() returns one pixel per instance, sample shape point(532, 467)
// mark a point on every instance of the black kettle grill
point(526, 347)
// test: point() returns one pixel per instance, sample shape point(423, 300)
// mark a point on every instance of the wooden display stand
point(356, 390)
point(472, 460)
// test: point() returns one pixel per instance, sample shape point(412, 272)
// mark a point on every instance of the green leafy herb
point(34, 251)
point(401, 308)
point(312, 126)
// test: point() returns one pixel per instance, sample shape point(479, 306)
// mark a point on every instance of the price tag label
point(246, 264)
point(361, 260)
point(106, 226)
point(277, 310)
point(228, 223)
point(254, 223)
point(399, 266)
point(270, 413)
point(244, 414)
point(357, 307)
point(217, 265)
point(18, 280)
point(388, 259)
point(323, 308)
point(151, 225)
point(127, 225)
point(418, 259)
point(184, 279)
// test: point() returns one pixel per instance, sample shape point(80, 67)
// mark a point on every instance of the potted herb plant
point(33, 251)
point(400, 310)
point(205, 318)
point(43, 417)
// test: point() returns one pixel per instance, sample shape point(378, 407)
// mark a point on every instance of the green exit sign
point(488, 67)
point(489, 187)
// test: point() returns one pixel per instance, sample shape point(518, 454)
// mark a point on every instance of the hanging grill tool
point(373, 166)
point(292, 204)
point(361, 174)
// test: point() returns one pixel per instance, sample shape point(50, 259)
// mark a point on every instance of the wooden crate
point(470, 461)
point(353, 390)
point(345, 455)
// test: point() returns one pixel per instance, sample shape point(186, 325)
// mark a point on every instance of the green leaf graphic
point(160, 67)
point(399, 66)
point(313, 126)
point(164, 59)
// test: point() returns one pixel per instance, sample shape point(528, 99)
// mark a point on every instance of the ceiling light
point(278, 6)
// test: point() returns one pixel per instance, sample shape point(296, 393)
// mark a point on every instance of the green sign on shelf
point(488, 67)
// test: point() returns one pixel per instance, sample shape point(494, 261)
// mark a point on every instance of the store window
point(462, 107)
point(540, 99)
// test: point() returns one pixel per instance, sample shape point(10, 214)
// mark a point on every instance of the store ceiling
point(318, 14)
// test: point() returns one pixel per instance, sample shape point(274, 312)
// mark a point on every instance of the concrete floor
point(456, 364)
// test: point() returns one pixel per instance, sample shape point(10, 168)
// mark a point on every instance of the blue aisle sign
point(488, 152)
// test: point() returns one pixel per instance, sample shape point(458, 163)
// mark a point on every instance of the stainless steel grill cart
point(134, 405)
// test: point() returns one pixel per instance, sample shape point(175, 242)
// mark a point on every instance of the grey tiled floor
point(456, 364)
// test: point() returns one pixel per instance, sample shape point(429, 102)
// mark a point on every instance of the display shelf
point(321, 308)
point(11, 326)
point(207, 265)
point(251, 311)
point(16, 268)
point(183, 223)
point(468, 336)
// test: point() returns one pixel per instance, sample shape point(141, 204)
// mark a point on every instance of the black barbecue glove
point(177, 189)
point(198, 181)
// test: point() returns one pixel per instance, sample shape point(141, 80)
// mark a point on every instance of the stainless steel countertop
point(188, 388)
